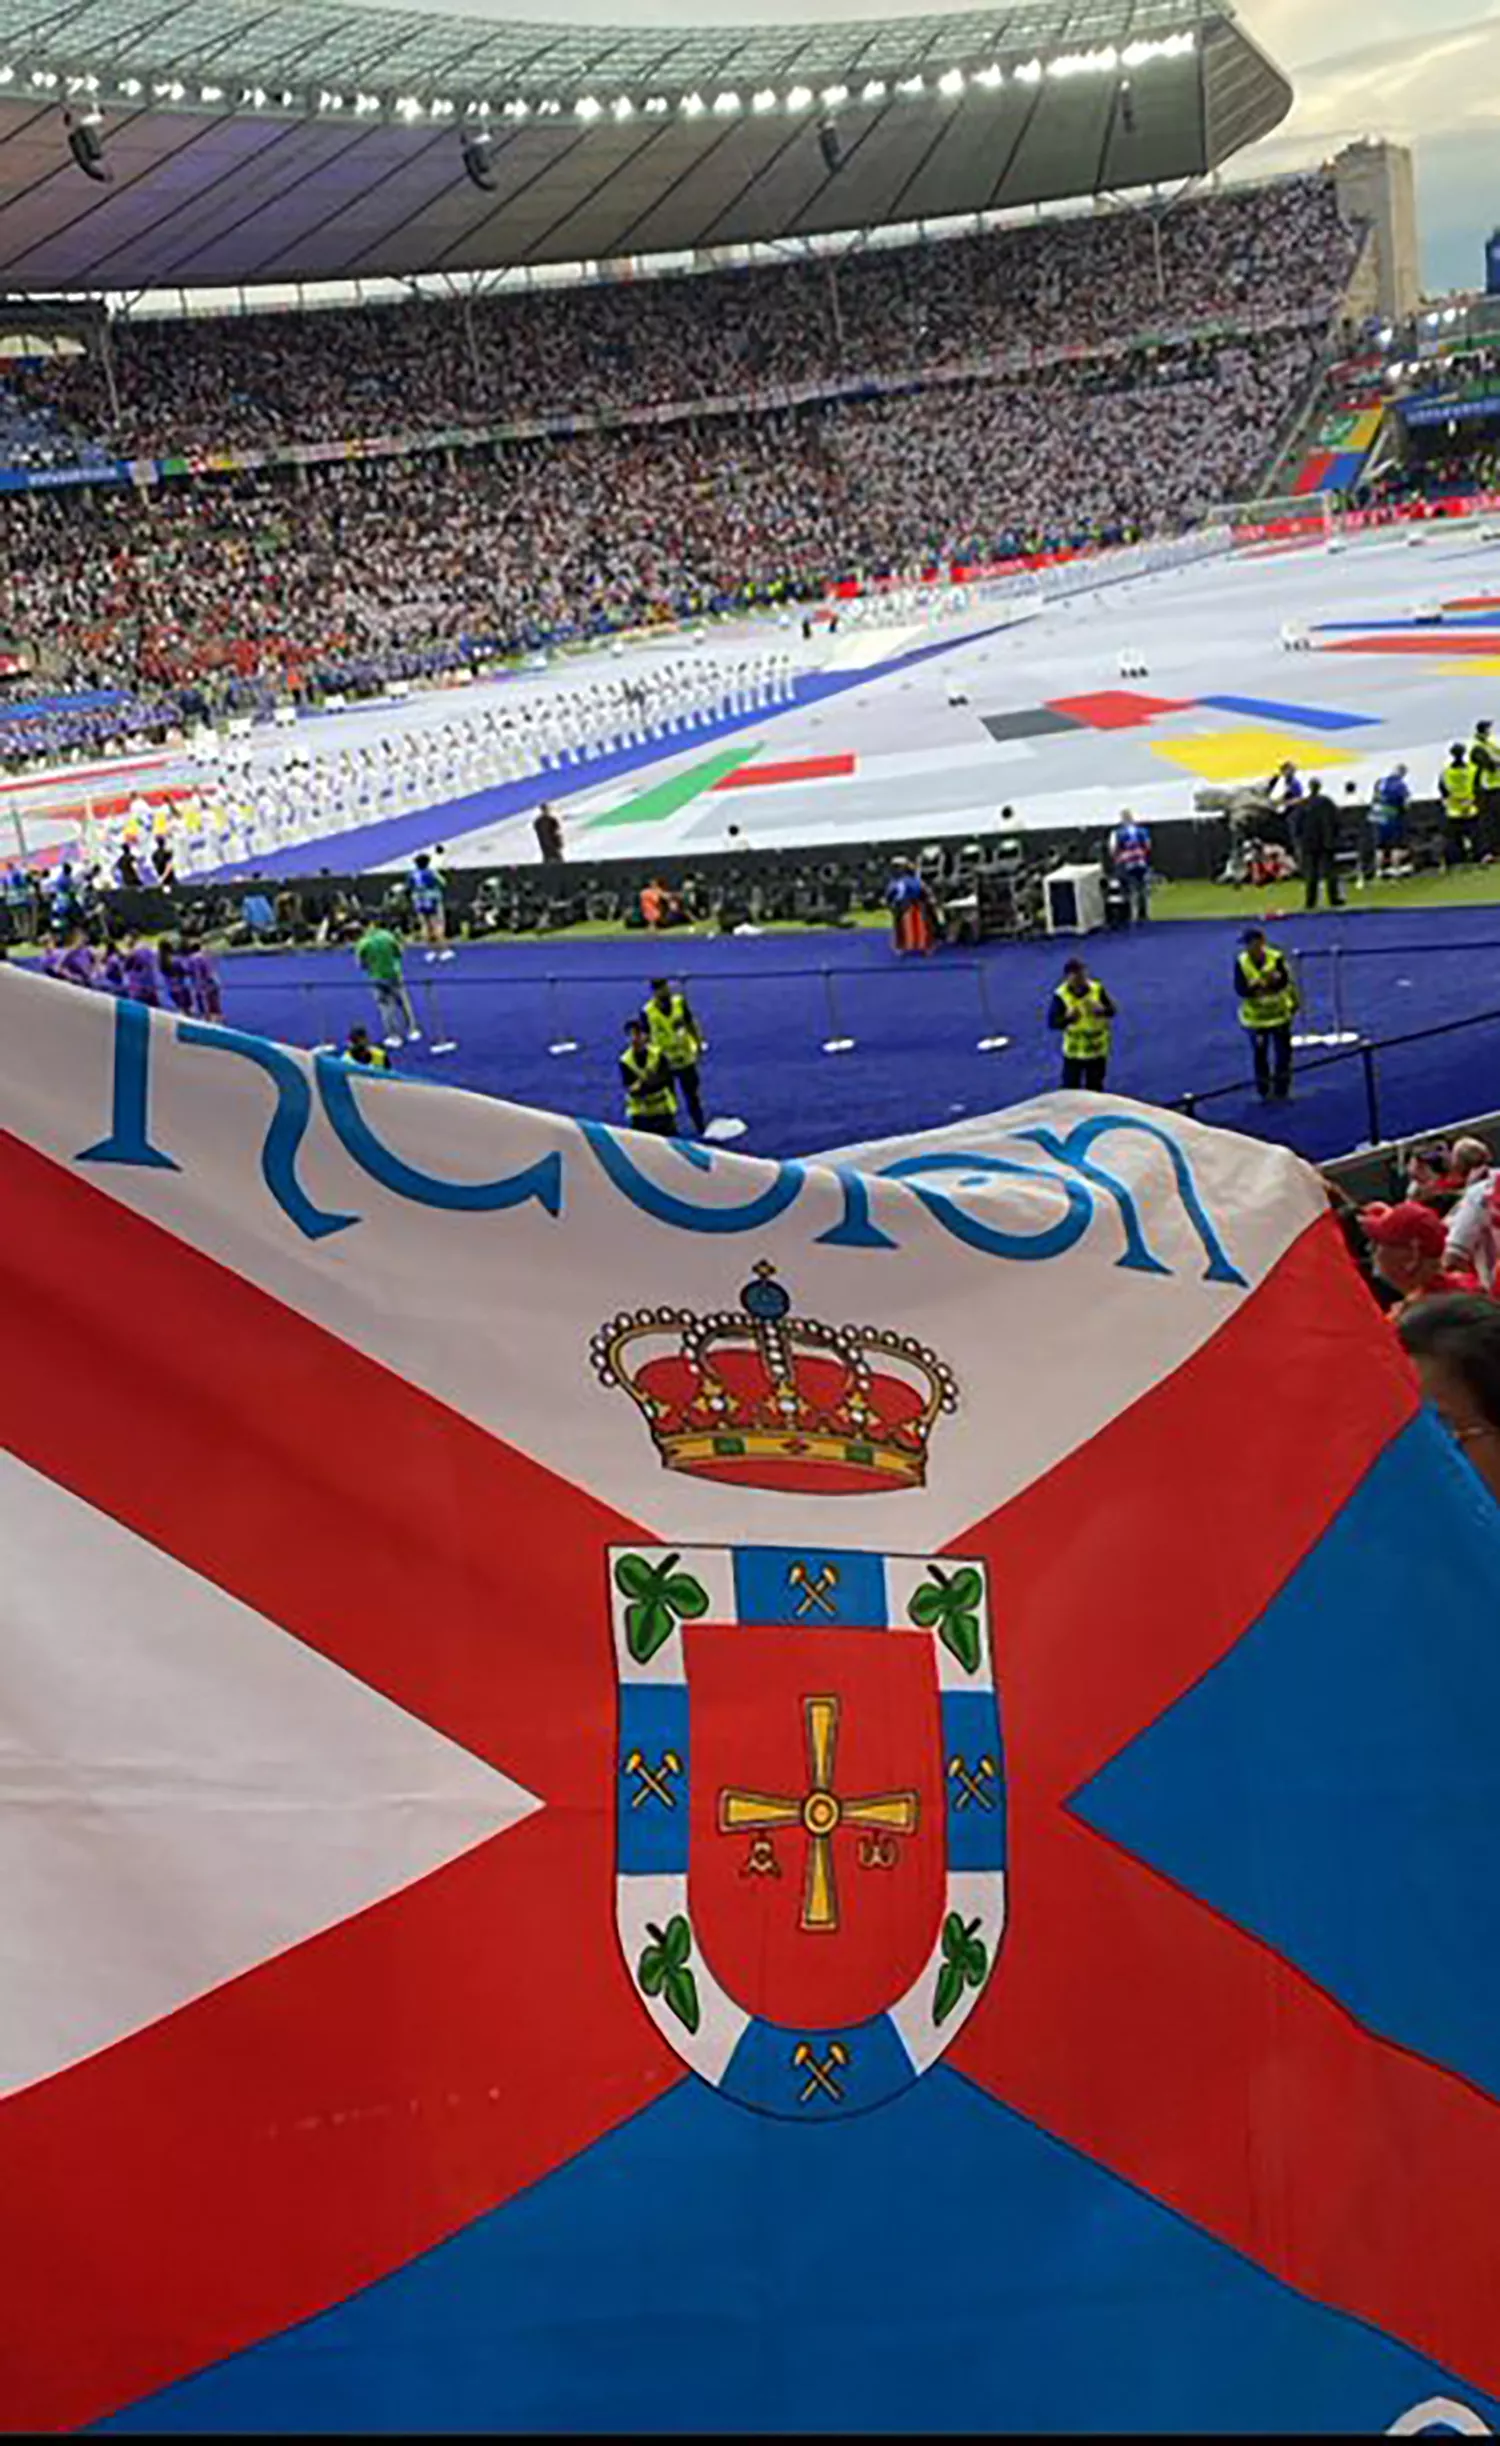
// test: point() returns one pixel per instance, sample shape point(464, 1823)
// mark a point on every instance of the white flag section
point(187, 1791)
point(1058, 1259)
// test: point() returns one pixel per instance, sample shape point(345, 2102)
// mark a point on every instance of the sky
point(1426, 72)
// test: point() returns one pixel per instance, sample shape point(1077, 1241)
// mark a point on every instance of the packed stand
point(1247, 257)
point(285, 580)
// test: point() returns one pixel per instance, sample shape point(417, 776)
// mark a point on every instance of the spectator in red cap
point(1407, 1245)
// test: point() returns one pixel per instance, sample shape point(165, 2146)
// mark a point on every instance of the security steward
point(650, 1090)
point(1484, 759)
point(1456, 789)
point(1269, 1002)
point(677, 1037)
point(1084, 1015)
point(360, 1054)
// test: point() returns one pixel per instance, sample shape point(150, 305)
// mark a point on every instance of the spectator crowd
point(374, 569)
point(1246, 258)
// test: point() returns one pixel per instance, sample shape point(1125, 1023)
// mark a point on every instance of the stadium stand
point(270, 575)
point(967, 400)
point(1253, 257)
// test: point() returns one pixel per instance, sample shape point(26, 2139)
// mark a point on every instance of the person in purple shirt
point(177, 975)
point(207, 1002)
point(142, 976)
point(111, 974)
point(74, 964)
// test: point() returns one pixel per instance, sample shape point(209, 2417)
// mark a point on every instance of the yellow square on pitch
point(1478, 666)
point(1249, 755)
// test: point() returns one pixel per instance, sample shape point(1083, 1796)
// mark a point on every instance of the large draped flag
point(652, 1790)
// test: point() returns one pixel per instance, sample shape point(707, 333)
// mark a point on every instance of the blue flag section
point(939, 2266)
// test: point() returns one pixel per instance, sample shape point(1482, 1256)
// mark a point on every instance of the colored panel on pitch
point(1478, 666)
point(652, 1779)
point(816, 1585)
point(1116, 708)
point(1329, 1783)
point(795, 768)
point(1308, 717)
point(1034, 722)
point(667, 797)
point(1410, 625)
point(1431, 639)
point(1242, 755)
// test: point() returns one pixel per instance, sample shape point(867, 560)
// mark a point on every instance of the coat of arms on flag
point(811, 1813)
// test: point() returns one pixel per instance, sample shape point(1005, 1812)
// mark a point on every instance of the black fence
point(1384, 1088)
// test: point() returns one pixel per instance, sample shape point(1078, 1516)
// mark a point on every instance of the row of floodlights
point(586, 107)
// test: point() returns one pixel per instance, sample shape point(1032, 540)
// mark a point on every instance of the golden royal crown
point(761, 1397)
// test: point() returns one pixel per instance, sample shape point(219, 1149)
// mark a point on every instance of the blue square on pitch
point(817, 1587)
point(974, 1774)
point(651, 1779)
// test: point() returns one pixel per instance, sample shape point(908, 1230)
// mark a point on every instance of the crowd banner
point(1465, 411)
point(645, 1785)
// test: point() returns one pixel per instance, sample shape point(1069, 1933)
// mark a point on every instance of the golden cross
point(819, 1811)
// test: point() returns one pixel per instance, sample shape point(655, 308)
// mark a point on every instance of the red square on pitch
point(1117, 708)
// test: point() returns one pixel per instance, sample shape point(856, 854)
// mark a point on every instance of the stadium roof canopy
point(259, 141)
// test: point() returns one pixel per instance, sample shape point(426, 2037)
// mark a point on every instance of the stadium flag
point(647, 1789)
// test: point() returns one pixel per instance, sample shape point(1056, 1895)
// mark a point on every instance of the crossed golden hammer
point(972, 1787)
point(820, 2076)
point(653, 1780)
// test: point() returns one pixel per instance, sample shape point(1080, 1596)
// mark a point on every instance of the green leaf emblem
point(663, 1970)
point(949, 1604)
point(660, 1596)
point(965, 1962)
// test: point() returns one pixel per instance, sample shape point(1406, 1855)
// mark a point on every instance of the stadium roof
point(279, 140)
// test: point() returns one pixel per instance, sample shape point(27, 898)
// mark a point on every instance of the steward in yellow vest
point(1458, 790)
point(360, 1054)
point(675, 1034)
point(650, 1095)
point(1269, 1002)
point(1084, 1015)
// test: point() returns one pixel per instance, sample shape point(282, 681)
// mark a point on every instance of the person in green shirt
point(378, 952)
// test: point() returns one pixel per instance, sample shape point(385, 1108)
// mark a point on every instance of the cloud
point(1422, 72)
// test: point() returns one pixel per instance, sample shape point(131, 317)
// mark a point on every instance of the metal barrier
point(553, 1010)
point(1316, 968)
point(1367, 1052)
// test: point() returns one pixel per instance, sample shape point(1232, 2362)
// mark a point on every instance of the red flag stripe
point(1129, 1571)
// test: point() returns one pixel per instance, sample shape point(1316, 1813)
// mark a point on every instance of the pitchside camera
point(86, 144)
point(478, 152)
point(829, 146)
